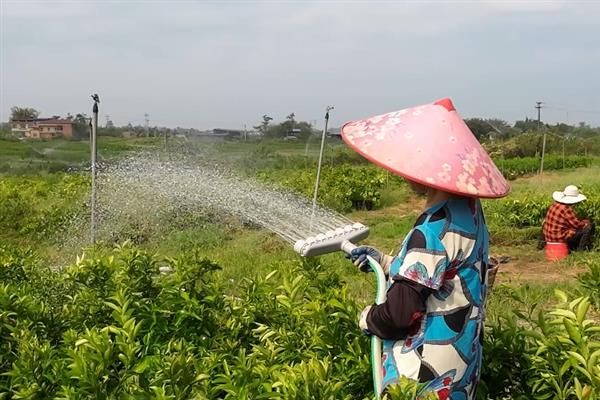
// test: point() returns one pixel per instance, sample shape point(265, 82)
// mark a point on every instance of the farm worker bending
point(432, 320)
point(562, 225)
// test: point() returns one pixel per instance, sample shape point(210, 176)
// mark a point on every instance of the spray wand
point(343, 239)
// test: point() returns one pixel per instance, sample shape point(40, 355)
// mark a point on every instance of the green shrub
point(40, 206)
point(531, 353)
point(513, 168)
point(125, 329)
point(590, 280)
point(342, 188)
point(116, 327)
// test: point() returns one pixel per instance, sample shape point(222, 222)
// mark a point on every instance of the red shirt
point(560, 223)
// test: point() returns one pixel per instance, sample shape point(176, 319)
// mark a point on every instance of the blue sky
point(224, 64)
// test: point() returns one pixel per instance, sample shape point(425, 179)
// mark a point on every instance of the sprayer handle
point(347, 246)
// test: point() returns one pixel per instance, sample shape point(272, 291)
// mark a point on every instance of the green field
point(242, 316)
point(22, 157)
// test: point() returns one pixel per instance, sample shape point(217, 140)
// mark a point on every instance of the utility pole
point(539, 119)
point(146, 123)
point(107, 119)
point(245, 133)
point(94, 153)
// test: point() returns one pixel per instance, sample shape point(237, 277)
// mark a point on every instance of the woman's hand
point(358, 256)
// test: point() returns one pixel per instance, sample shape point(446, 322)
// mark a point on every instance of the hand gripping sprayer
point(344, 239)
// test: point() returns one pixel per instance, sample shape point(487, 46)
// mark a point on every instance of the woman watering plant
point(432, 319)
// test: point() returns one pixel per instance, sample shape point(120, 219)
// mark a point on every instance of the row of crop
point(265, 157)
point(527, 212)
point(346, 186)
point(532, 353)
point(342, 187)
point(530, 209)
point(40, 206)
point(531, 144)
point(115, 327)
point(513, 168)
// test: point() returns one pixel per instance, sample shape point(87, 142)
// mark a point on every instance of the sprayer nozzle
point(331, 241)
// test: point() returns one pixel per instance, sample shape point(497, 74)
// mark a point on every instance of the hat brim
point(430, 145)
point(562, 198)
point(412, 178)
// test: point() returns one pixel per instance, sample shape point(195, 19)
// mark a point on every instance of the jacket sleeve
point(400, 315)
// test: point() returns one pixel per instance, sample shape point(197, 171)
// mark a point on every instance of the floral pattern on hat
point(429, 144)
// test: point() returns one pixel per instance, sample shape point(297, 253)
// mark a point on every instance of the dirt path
point(522, 270)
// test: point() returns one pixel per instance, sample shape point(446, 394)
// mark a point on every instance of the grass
point(21, 157)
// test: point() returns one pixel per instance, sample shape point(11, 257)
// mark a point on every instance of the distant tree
point(306, 129)
point(291, 118)
point(585, 130)
point(479, 127)
point(562, 129)
point(5, 131)
point(289, 123)
point(81, 126)
point(490, 128)
point(527, 125)
point(285, 128)
point(23, 113)
point(263, 128)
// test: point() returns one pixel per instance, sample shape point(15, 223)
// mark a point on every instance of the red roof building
point(42, 128)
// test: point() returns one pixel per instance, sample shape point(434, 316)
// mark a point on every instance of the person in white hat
point(562, 224)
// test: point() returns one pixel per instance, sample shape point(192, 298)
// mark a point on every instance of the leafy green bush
point(125, 329)
point(590, 280)
point(529, 211)
point(117, 327)
point(530, 353)
point(40, 206)
point(513, 168)
point(342, 188)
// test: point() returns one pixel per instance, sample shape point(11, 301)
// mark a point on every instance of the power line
point(568, 109)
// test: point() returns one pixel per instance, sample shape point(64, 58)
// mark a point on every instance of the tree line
point(485, 129)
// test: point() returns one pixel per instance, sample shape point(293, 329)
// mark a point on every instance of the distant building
point(228, 133)
point(216, 133)
point(42, 128)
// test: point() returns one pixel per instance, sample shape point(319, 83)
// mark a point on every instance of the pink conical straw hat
point(431, 145)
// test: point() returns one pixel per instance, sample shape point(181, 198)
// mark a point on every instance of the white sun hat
point(570, 195)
